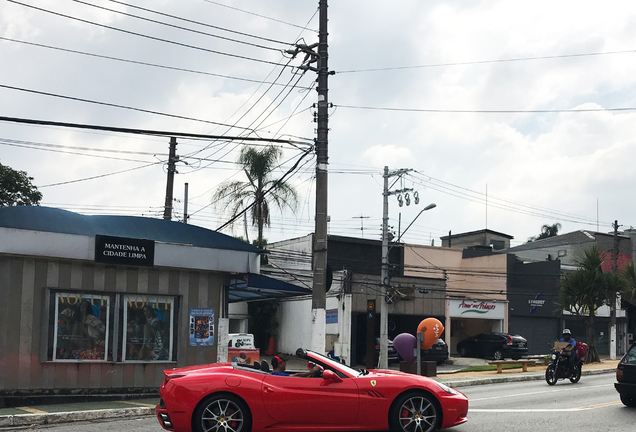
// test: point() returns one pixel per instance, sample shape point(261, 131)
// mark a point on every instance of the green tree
point(257, 165)
point(16, 188)
point(546, 231)
point(586, 289)
point(629, 274)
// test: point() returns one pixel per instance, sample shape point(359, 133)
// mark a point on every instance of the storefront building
point(476, 287)
point(106, 303)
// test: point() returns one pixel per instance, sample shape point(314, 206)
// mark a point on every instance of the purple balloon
point(405, 344)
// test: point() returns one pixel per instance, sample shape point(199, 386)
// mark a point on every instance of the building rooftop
point(48, 219)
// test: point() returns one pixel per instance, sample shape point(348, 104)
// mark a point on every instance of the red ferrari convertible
point(240, 398)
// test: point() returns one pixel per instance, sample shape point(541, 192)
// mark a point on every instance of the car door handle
point(267, 389)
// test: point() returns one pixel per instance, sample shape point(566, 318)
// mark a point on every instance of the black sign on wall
point(124, 251)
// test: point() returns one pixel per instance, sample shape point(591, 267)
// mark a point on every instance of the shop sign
point(332, 316)
point(476, 309)
point(201, 326)
point(124, 251)
point(536, 303)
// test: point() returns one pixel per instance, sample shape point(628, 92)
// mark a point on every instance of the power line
point(489, 61)
point(508, 205)
point(117, 106)
point(141, 63)
point(176, 26)
point(532, 207)
point(147, 131)
point(101, 175)
point(255, 14)
point(200, 23)
point(545, 111)
point(143, 35)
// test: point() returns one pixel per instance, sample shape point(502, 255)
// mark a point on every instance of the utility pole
point(384, 272)
point(185, 205)
point(613, 339)
point(172, 160)
point(319, 287)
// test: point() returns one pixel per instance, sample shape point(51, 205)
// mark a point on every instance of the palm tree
point(546, 231)
point(259, 191)
point(587, 288)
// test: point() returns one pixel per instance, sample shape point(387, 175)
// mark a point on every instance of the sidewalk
point(447, 374)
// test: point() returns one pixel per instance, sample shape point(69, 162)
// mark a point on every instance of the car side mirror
point(331, 376)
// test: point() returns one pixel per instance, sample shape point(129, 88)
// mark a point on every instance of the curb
point(496, 380)
point(73, 416)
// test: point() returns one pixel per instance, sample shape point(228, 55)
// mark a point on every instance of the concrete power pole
point(384, 276)
point(185, 205)
point(172, 160)
point(384, 272)
point(613, 339)
point(319, 288)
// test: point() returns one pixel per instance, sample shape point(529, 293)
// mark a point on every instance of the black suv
point(626, 377)
point(495, 345)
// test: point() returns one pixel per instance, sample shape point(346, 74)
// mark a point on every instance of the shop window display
point(148, 330)
point(81, 326)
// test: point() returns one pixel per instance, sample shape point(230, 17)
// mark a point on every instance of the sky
point(508, 115)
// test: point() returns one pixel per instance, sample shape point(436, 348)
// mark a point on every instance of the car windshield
point(630, 357)
point(334, 364)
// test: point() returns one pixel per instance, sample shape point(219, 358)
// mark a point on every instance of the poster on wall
point(81, 326)
point(201, 326)
point(148, 329)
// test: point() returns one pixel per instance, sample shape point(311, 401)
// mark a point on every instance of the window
point(630, 357)
point(149, 329)
point(86, 326)
point(80, 326)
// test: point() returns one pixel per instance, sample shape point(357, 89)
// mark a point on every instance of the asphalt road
point(590, 405)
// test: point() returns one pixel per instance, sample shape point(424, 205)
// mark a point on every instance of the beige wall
point(24, 286)
point(475, 278)
point(433, 303)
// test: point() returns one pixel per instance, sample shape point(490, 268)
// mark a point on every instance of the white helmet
point(566, 332)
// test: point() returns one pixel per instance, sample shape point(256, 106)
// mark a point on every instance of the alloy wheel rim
point(417, 414)
point(222, 415)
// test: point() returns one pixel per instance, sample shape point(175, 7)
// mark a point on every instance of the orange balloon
point(432, 329)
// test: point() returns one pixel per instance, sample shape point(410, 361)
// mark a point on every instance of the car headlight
point(446, 388)
point(553, 356)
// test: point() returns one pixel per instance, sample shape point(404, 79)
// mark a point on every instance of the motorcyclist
point(567, 338)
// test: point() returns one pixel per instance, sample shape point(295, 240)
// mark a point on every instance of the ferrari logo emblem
point(373, 383)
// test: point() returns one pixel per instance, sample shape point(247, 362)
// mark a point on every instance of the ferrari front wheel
point(414, 412)
point(224, 412)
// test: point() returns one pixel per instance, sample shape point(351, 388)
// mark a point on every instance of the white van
point(241, 341)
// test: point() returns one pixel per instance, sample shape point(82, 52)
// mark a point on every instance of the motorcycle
point(559, 368)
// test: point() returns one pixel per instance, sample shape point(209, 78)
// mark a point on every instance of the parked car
point(242, 398)
point(392, 353)
point(495, 345)
point(437, 353)
point(626, 377)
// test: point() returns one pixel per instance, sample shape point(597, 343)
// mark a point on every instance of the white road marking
point(540, 392)
point(546, 410)
point(556, 410)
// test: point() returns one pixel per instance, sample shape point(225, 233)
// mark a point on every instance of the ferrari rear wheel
point(414, 412)
point(222, 413)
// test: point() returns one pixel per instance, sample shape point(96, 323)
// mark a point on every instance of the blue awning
point(261, 287)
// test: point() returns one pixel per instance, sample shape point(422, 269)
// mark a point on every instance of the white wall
point(294, 323)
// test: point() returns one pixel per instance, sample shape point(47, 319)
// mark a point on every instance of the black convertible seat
point(264, 366)
point(256, 365)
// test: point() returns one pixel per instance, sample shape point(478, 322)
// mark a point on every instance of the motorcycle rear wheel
point(577, 374)
point(550, 375)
